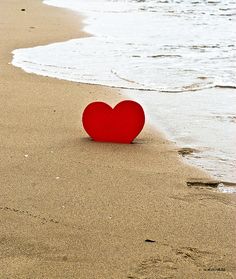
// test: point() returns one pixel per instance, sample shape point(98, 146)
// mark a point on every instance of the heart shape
point(121, 124)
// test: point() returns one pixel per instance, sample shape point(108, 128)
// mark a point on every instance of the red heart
point(121, 124)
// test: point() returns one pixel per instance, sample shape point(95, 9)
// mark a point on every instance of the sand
point(74, 208)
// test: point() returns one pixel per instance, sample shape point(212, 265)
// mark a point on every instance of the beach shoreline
point(73, 208)
point(167, 61)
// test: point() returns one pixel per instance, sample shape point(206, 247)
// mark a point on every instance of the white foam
point(136, 48)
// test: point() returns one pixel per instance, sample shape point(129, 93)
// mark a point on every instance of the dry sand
point(73, 208)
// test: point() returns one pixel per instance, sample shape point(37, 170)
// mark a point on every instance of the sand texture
point(73, 208)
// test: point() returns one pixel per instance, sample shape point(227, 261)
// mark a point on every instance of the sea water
point(177, 58)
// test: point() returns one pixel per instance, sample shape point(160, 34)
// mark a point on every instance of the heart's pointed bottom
point(112, 141)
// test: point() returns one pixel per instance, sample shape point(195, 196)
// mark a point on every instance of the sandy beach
point(74, 208)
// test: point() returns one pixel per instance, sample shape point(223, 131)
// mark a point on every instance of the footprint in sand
point(183, 263)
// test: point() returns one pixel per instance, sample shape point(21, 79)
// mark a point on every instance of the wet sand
point(73, 208)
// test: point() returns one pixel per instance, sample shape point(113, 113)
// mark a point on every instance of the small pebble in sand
point(26, 155)
point(57, 177)
point(23, 10)
point(150, 240)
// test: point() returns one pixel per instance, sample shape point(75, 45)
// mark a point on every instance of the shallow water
point(203, 121)
point(146, 44)
point(172, 56)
